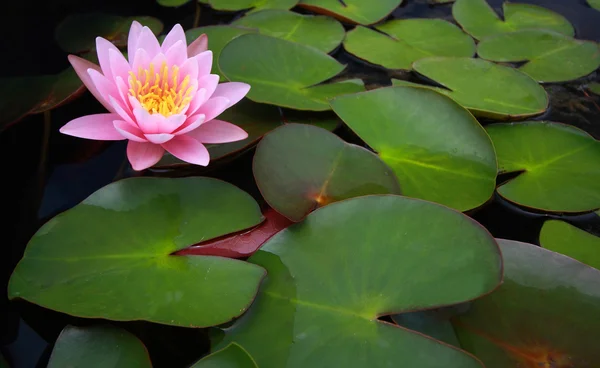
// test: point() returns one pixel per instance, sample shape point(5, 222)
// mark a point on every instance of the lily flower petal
point(175, 35)
point(233, 91)
point(191, 123)
point(198, 46)
point(218, 131)
point(143, 155)
point(98, 127)
point(213, 107)
point(204, 60)
point(81, 67)
point(129, 131)
point(148, 42)
point(159, 138)
point(132, 40)
point(188, 149)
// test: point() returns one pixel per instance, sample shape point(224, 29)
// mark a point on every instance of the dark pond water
point(45, 173)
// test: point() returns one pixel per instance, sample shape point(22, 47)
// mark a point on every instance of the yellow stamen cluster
point(160, 91)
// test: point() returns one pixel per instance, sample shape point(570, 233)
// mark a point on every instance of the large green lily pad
point(98, 346)
point(432, 323)
point(332, 275)
point(284, 73)
point(322, 33)
point(437, 149)
point(299, 168)
point(254, 5)
point(232, 356)
point(561, 237)
point(218, 37)
point(478, 19)
point(353, 11)
point(257, 120)
point(408, 40)
point(110, 256)
point(78, 32)
point(486, 89)
point(545, 314)
point(549, 56)
point(594, 4)
point(559, 165)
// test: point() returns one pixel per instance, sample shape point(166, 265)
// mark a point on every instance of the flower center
point(161, 91)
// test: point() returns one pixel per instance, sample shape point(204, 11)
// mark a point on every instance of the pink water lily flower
point(163, 98)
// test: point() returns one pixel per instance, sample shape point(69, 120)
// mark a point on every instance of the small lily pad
point(77, 33)
point(486, 89)
point(353, 11)
point(43, 93)
point(545, 313)
point(559, 165)
point(111, 256)
point(549, 56)
point(430, 323)
point(594, 87)
point(320, 32)
point(172, 3)
point(231, 356)
point(257, 120)
point(479, 20)
point(437, 149)
point(235, 5)
point(332, 275)
point(406, 41)
point(98, 347)
point(275, 75)
point(594, 4)
point(561, 237)
point(218, 37)
point(299, 168)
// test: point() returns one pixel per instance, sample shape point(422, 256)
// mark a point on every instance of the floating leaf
point(594, 87)
point(234, 5)
point(78, 32)
point(353, 11)
point(545, 314)
point(486, 89)
point(594, 4)
point(332, 275)
point(275, 76)
point(299, 168)
point(110, 256)
point(559, 165)
point(172, 3)
point(232, 356)
point(257, 120)
point(244, 243)
point(406, 41)
point(43, 93)
point(549, 56)
point(218, 37)
point(437, 149)
point(322, 33)
point(98, 346)
point(478, 19)
point(561, 237)
point(430, 323)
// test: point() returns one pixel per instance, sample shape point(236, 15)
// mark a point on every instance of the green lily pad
point(437, 149)
point(559, 165)
point(232, 356)
point(110, 256)
point(430, 323)
point(594, 4)
point(561, 237)
point(322, 33)
point(234, 5)
point(549, 56)
point(486, 89)
point(353, 11)
point(594, 87)
point(545, 314)
point(408, 40)
point(257, 120)
point(479, 20)
point(299, 168)
point(275, 74)
point(332, 275)
point(218, 37)
point(98, 346)
point(77, 33)
point(172, 3)
point(43, 93)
